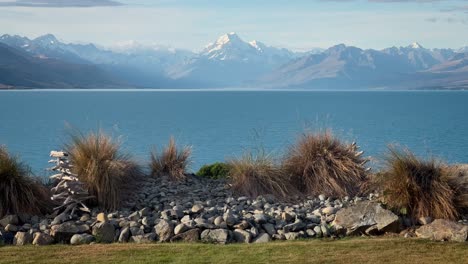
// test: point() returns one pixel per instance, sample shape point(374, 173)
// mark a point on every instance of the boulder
point(297, 226)
point(124, 235)
point(220, 236)
point(104, 232)
point(356, 219)
point(443, 230)
point(262, 238)
point(63, 233)
point(9, 220)
point(11, 228)
point(22, 239)
point(81, 239)
point(269, 228)
point(102, 217)
point(190, 236)
point(292, 235)
point(42, 239)
point(197, 208)
point(242, 236)
point(146, 238)
point(180, 228)
point(165, 230)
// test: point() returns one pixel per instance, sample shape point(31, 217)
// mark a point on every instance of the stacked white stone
point(69, 192)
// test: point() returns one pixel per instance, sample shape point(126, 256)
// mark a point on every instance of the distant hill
point(21, 70)
point(46, 62)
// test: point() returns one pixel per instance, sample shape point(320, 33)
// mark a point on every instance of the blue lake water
point(223, 124)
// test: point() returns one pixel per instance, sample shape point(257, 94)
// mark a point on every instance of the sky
point(192, 24)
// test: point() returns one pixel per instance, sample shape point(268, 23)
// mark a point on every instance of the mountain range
point(46, 62)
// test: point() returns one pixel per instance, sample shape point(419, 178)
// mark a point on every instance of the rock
point(269, 228)
point(262, 238)
point(180, 228)
point(85, 218)
point(9, 220)
point(145, 211)
point(242, 236)
point(218, 220)
point(219, 236)
point(2, 240)
point(230, 219)
point(297, 226)
point(318, 231)
point(425, 220)
point(260, 218)
point(325, 231)
point(104, 232)
point(81, 239)
point(197, 208)
point(190, 236)
point(321, 197)
point(286, 217)
point(328, 210)
point(310, 233)
point(102, 217)
point(292, 235)
point(165, 230)
point(41, 239)
point(242, 225)
point(356, 219)
point(141, 239)
point(22, 239)
point(11, 228)
point(443, 230)
point(134, 216)
point(61, 218)
point(124, 235)
point(187, 219)
point(62, 233)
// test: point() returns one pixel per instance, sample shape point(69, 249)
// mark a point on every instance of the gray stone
point(260, 218)
point(124, 235)
point(230, 219)
point(134, 216)
point(104, 232)
point(286, 217)
point(318, 231)
point(146, 238)
point(41, 239)
point(22, 239)
point(329, 210)
point(165, 230)
point(321, 197)
point(190, 236)
point(197, 208)
point(219, 236)
point(269, 228)
point(81, 239)
point(9, 220)
point(425, 220)
point(180, 228)
point(242, 236)
point(145, 211)
point(11, 228)
point(356, 219)
point(443, 230)
point(325, 231)
point(60, 219)
point(292, 235)
point(310, 233)
point(218, 220)
point(262, 238)
point(242, 225)
point(297, 226)
point(62, 233)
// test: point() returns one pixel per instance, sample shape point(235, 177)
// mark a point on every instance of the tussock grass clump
point(416, 187)
point(257, 174)
point(171, 161)
point(20, 192)
point(458, 181)
point(322, 164)
point(99, 164)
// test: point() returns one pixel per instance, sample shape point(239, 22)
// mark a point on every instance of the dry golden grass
point(416, 187)
point(458, 181)
point(20, 192)
point(322, 164)
point(357, 250)
point(106, 172)
point(171, 161)
point(257, 174)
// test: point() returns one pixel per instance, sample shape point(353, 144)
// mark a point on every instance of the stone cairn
point(69, 191)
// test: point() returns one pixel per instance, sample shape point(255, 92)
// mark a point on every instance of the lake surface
point(223, 124)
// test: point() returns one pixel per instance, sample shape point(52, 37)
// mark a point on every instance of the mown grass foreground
point(356, 250)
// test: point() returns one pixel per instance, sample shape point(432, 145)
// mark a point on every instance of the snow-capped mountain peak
point(415, 45)
point(47, 39)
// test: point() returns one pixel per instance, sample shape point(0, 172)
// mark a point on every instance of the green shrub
point(218, 170)
point(19, 191)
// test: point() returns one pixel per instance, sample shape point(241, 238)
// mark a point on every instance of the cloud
point(450, 20)
point(59, 3)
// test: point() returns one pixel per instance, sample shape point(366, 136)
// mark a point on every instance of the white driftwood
point(70, 192)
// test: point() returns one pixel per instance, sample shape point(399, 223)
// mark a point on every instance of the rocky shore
point(206, 210)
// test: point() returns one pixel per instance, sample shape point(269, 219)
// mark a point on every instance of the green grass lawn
point(356, 250)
